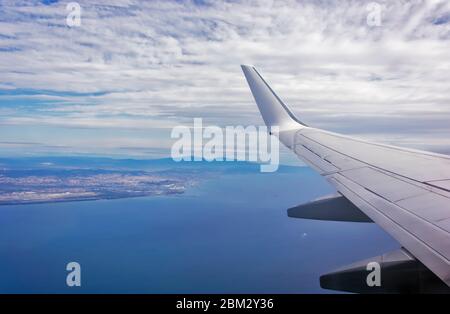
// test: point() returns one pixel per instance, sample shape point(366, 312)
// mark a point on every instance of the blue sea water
point(229, 234)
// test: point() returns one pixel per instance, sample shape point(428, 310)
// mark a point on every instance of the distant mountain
point(74, 162)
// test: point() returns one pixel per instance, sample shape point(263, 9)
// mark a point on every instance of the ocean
point(228, 234)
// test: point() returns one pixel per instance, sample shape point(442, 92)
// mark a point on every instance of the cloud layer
point(132, 67)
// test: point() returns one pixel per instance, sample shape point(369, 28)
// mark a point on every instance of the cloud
point(150, 64)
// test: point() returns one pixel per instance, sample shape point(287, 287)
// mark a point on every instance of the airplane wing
point(405, 191)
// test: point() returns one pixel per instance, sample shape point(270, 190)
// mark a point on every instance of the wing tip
point(272, 108)
point(247, 67)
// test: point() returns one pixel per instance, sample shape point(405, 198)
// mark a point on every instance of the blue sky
point(117, 84)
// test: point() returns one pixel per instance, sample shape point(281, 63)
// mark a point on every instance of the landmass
point(23, 187)
point(61, 179)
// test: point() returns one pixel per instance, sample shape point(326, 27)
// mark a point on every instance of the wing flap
point(428, 206)
point(442, 184)
point(391, 188)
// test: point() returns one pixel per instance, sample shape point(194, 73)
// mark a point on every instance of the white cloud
point(170, 61)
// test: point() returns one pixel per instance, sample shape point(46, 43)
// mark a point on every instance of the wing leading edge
point(405, 191)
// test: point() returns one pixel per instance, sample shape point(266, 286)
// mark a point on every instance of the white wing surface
point(405, 191)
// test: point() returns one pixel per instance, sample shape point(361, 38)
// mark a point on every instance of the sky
point(120, 81)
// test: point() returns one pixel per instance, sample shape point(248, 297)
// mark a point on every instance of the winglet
point(272, 108)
